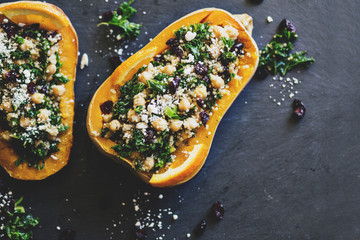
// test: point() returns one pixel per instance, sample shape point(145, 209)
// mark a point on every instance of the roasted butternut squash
point(189, 157)
point(50, 18)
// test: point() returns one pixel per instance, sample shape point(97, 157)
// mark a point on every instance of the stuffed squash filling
point(30, 89)
point(166, 101)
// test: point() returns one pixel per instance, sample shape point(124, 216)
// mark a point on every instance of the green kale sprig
point(19, 225)
point(276, 56)
point(120, 18)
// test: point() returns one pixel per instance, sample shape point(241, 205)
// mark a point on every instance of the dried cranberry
point(262, 72)
point(200, 228)
point(226, 73)
point(218, 210)
point(200, 69)
point(12, 76)
point(116, 61)
point(140, 233)
point(10, 28)
point(68, 234)
point(204, 117)
point(174, 84)
point(178, 52)
point(256, 1)
point(34, 26)
point(200, 102)
point(299, 109)
point(206, 79)
point(43, 89)
point(172, 42)
point(286, 24)
point(107, 107)
point(150, 136)
point(237, 48)
point(107, 16)
point(31, 88)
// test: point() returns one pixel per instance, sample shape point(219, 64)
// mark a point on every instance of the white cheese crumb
point(189, 36)
point(175, 217)
point(161, 196)
point(269, 19)
point(84, 61)
point(58, 228)
point(188, 235)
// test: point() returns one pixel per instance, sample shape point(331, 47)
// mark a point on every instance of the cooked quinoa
point(30, 89)
point(166, 101)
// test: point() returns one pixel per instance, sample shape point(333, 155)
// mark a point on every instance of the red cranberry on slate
point(200, 228)
point(299, 109)
point(140, 233)
point(107, 16)
point(218, 210)
point(262, 72)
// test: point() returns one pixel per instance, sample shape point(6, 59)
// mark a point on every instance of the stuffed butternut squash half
point(38, 57)
point(158, 112)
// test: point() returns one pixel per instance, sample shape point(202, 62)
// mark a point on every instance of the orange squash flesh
point(50, 17)
point(186, 165)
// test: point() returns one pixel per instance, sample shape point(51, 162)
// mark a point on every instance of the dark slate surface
point(278, 179)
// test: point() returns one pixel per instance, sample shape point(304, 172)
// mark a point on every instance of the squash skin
point(50, 17)
point(203, 140)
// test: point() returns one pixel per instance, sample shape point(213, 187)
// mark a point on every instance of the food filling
point(166, 101)
point(30, 89)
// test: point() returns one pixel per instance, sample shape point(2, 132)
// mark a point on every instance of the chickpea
point(133, 116)
point(52, 50)
point(7, 106)
point(200, 92)
point(24, 122)
point(191, 123)
point(184, 105)
point(43, 115)
point(160, 124)
point(37, 98)
point(139, 100)
point(114, 125)
point(169, 69)
point(107, 117)
point(142, 125)
point(127, 127)
point(176, 125)
point(58, 90)
point(26, 45)
point(5, 135)
point(51, 69)
point(149, 163)
point(217, 81)
point(144, 76)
